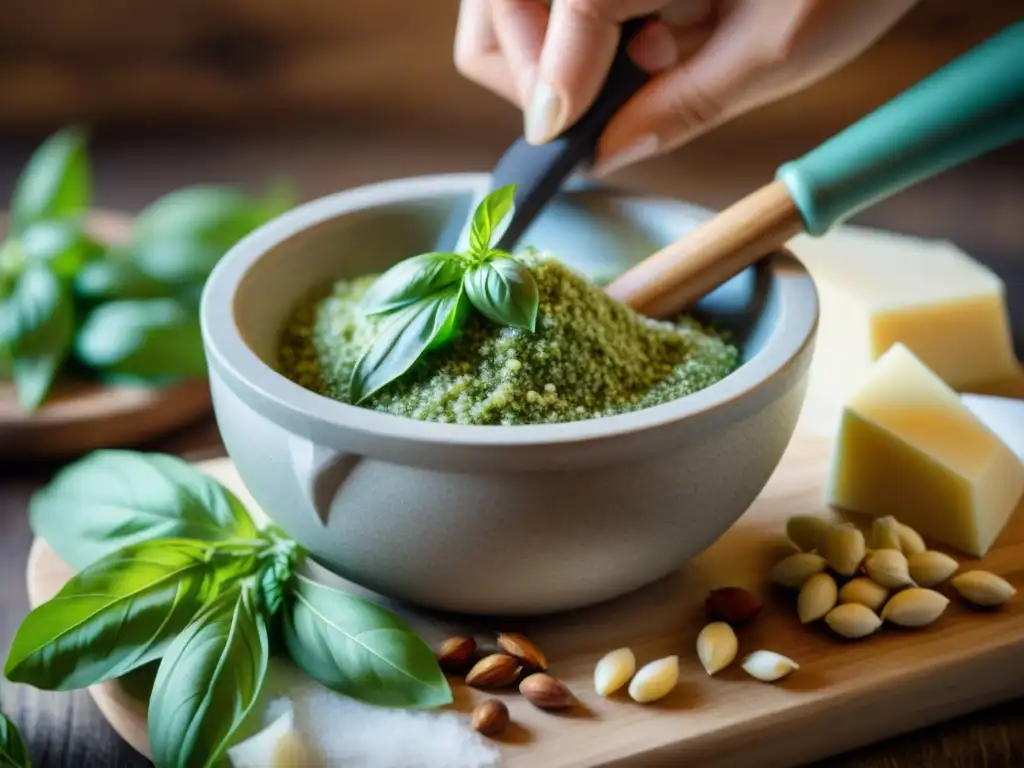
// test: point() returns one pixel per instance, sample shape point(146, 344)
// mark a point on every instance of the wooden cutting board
point(846, 693)
point(79, 416)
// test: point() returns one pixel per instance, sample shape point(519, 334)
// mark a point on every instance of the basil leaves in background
point(119, 311)
point(428, 298)
point(149, 339)
point(12, 749)
point(175, 575)
point(56, 182)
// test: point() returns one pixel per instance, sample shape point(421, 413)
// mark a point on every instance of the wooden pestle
point(969, 107)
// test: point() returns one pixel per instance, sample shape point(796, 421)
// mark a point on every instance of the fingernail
point(642, 148)
point(543, 120)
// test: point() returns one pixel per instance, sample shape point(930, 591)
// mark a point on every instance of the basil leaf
point(208, 682)
point(181, 237)
point(119, 613)
point(505, 292)
point(359, 649)
point(39, 327)
point(109, 279)
point(56, 182)
point(113, 499)
point(12, 749)
point(151, 339)
point(410, 280)
point(63, 246)
point(410, 333)
point(490, 214)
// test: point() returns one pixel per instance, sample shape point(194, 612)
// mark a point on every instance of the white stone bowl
point(498, 520)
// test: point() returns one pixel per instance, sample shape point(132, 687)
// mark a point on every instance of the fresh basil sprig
point(115, 311)
point(175, 574)
point(12, 749)
point(428, 298)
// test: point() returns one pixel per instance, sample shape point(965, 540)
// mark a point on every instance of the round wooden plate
point(80, 416)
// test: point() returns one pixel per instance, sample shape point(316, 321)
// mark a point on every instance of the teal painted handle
point(969, 107)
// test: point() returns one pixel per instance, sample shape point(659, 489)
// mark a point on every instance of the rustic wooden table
point(979, 206)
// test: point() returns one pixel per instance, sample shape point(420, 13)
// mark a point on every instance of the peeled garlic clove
point(276, 746)
point(794, 570)
point(915, 607)
point(806, 531)
point(768, 666)
point(983, 588)
point(655, 680)
point(844, 549)
point(852, 620)
point(910, 541)
point(817, 597)
point(929, 568)
point(717, 646)
point(865, 592)
point(613, 671)
point(889, 568)
point(885, 533)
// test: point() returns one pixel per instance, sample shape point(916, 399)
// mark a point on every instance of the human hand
point(710, 60)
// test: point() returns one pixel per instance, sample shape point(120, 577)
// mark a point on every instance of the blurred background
point(333, 94)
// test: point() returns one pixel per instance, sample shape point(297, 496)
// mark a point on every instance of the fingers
point(477, 54)
point(520, 26)
point(578, 49)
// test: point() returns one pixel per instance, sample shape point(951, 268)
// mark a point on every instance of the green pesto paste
point(590, 356)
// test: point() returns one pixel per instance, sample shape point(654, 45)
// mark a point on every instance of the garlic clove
point(806, 532)
point(794, 570)
point(844, 549)
point(817, 597)
point(983, 588)
point(717, 646)
point(853, 620)
point(929, 568)
point(910, 541)
point(613, 671)
point(889, 568)
point(915, 607)
point(655, 680)
point(885, 534)
point(864, 591)
point(768, 666)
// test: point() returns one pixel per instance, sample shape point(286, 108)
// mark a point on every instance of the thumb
point(579, 47)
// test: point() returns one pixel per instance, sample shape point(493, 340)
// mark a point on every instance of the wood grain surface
point(845, 694)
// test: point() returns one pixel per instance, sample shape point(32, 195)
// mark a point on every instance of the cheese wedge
point(879, 288)
point(908, 447)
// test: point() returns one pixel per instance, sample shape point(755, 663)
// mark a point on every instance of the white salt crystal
point(338, 731)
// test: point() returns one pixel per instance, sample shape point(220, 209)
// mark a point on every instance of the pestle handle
point(539, 171)
point(971, 106)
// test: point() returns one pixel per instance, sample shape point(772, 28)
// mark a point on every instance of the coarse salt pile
point(338, 731)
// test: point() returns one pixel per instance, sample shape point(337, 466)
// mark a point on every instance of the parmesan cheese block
point(878, 288)
point(909, 448)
